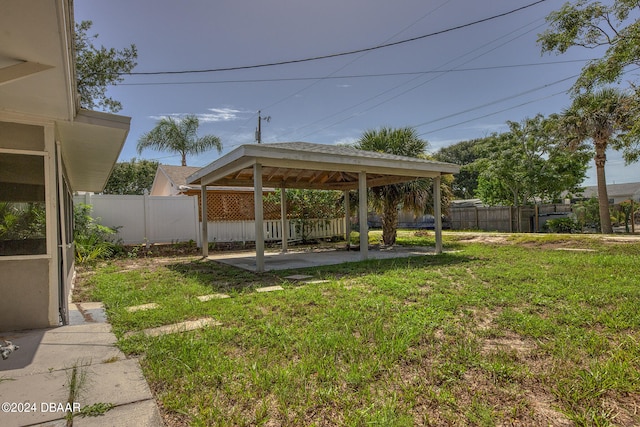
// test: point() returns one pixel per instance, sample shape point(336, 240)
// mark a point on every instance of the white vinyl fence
point(245, 231)
point(146, 219)
point(164, 219)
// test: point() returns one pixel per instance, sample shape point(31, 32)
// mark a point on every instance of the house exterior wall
point(30, 279)
point(162, 186)
point(25, 294)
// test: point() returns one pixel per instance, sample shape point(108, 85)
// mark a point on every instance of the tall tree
point(606, 118)
point(591, 24)
point(388, 199)
point(528, 163)
point(178, 136)
point(132, 177)
point(463, 153)
point(97, 68)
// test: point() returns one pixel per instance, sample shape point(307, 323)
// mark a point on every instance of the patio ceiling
point(314, 166)
point(37, 82)
point(35, 61)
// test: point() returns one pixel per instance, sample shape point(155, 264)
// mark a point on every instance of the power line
point(502, 110)
point(335, 55)
point(358, 76)
point(316, 81)
point(497, 101)
point(413, 79)
point(354, 59)
point(494, 112)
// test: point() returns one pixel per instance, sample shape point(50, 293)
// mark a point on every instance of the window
point(22, 205)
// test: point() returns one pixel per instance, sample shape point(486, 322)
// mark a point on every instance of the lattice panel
point(235, 206)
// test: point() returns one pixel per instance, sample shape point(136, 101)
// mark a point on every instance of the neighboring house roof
point(37, 81)
point(630, 189)
point(319, 166)
point(177, 178)
point(177, 175)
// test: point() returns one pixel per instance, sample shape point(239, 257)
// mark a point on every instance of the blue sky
point(458, 85)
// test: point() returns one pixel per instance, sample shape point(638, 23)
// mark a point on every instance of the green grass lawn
point(509, 333)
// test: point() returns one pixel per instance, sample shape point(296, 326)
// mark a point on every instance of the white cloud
point(346, 141)
point(221, 115)
point(215, 115)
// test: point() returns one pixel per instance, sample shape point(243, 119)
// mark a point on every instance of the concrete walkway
point(37, 377)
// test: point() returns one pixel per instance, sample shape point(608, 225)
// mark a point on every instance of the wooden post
point(362, 215)
point(205, 219)
point(259, 216)
point(347, 220)
point(437, 213)
point(283, 218)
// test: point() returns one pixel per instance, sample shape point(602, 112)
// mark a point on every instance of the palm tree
point(605, 119)
point(178, 136)
point(387, 199)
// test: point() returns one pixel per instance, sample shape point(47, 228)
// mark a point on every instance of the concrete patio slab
point(134, 414)
point(205, 298)
point(270, 289)
point(315, 258)
point(189, 325)
point(40, 371)
point(142, 307)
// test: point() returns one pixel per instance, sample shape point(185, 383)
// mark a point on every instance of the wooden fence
point(525, 219)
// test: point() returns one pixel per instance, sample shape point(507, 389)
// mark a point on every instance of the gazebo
point(315, 166)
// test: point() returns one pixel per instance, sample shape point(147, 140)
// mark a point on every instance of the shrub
point(93, 241)
point(562, 225)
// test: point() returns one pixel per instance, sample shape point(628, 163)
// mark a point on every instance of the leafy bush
point(93, 241)
point(588, 214)
point(562, 225)
point(22, 220)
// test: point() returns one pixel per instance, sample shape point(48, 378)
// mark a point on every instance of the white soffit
point(36, 68)
point(90, 147)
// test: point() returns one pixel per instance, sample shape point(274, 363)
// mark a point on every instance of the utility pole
point(259, 129)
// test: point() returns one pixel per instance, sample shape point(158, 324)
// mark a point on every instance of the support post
point(259, 216)
point(205, 220)
point(283, 217)
point(437, 213)
point(147, 221)
point(362, 215)
point(347, 220)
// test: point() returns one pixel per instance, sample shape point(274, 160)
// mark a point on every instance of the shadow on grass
point(378, 266)
point(225, 278)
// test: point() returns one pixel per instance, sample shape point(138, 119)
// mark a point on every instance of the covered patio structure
point(305, 165)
